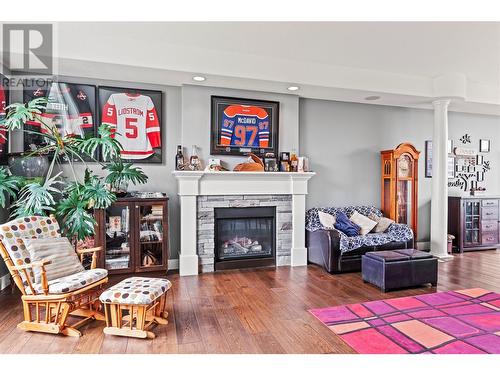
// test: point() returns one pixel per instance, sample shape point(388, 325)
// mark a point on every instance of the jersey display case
point(400, 185)
point(134, 235)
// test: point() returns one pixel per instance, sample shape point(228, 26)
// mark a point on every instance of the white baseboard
point(4, 281)
point(173, 264)
point(423, 245)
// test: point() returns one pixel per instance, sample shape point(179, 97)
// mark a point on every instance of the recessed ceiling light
point(293, 88)
point(373, 97)
point(199, 78)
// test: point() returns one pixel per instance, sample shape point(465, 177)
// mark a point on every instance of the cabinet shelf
point(134, 215)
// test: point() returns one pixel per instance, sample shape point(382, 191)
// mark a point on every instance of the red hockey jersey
point(3, 102)
point(3, 133)
point(135, 124)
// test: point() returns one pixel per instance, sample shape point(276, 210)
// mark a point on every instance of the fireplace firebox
point(245, 237)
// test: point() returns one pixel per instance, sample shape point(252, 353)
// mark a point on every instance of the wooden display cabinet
point(134, 235)
point(400, 185)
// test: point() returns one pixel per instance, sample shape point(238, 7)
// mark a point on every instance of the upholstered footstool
point(133, 305)
point(398, 269)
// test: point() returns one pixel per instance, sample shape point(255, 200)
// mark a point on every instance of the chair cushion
point(136, 291)
point(64, 261)
point(73, 282)
point(364, 223)
point(345, 225)
point(13, 233)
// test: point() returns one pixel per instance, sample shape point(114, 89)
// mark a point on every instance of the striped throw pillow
point(59, 251)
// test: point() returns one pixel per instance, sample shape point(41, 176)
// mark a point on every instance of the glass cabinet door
point(472, 223)
point(152, 246)
point(117, 256)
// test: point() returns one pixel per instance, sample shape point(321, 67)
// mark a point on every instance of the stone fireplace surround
point(200, 192)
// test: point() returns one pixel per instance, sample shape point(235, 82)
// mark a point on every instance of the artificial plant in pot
point(72, 199)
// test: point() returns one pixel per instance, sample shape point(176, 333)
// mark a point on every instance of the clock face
point(404, 166)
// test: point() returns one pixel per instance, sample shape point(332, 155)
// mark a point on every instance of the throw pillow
point(383, 223)
point(343, 224)
point(59, 251)
point(364, 223)
point(326, 220)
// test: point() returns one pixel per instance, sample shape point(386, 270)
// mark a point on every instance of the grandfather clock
point(400, 185)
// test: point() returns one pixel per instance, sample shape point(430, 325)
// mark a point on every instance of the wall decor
point(450, 146)
point(428, 159)
point(479, 159)
point(451, 167)
point(135, 115)
point(71, 109)
point(465, 139)
point(4, 102)
point(484, 145)
point(464, 151)
point(242, 126)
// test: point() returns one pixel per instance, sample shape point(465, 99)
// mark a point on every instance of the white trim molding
point(196, 183)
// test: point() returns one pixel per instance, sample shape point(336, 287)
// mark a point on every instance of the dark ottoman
point(398, 269)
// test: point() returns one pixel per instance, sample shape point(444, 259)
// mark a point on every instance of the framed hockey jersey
point(240, 126)
point(70, 109)
point(134, 116)
point(4, 102)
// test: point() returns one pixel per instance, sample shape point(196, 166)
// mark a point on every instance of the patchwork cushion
point(13, 233)
point(383, 223)
point(364, 223)
point(58, 250)
point(74, 282)
point(136, 291)
point(326, 220)
point(345, 225)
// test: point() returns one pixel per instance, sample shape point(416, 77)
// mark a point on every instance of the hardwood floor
point(248, 311)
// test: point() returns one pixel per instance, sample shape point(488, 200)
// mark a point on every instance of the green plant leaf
point(9, 186)
point(108, 145)
point(19, 113)
point(95, 192)
point(119, 172)
point(78, 221)
point(37, 199)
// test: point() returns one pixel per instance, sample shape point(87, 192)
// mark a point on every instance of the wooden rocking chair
point(48, 305)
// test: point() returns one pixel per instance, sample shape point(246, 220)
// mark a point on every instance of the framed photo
point(428, 159)
point(450, 146)
point(451, 167)
point(479, 159)
point(484, 145)
point(136, 117)
point(71, 109)
point(240, 126)
point(4, 102)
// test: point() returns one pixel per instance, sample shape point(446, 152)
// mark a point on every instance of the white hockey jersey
point(135, 124)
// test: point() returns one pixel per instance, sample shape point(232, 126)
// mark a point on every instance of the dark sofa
point(337, 253)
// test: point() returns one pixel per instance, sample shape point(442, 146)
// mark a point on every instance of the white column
point(188, 257)
point(299, 250)
point(439, 200)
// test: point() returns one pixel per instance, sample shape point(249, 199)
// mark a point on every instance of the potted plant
point(72, 199)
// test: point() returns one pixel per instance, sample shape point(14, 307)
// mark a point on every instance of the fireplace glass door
point(244, 233)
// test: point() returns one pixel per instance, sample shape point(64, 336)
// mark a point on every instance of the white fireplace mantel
point(196, 183)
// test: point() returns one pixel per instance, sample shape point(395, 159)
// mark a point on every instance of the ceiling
point(330, 60)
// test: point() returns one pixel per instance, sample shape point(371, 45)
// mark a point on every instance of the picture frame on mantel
point(242, 126)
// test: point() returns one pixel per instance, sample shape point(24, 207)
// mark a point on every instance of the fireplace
point(245, 237)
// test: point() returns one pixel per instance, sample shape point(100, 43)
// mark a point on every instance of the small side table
point(133, 305)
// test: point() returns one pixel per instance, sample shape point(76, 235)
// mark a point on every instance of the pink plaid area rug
point(455, 322)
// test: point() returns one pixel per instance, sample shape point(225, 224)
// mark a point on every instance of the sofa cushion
point(383, 223)
point(364, 223)
point(326, 220)
point(346, 226)
point(59, 252)
point(312, 215)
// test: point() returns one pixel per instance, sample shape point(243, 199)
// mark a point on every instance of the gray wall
point(344, 140)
